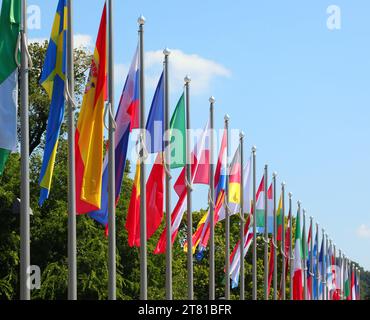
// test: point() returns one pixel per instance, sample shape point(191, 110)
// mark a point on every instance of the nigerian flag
point(10, 27)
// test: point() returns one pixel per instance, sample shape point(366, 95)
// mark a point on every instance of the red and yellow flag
point(90, 129)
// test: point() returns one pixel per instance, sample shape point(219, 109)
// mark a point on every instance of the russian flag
point(126, 119)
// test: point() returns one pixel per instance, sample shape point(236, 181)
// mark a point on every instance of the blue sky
point(299, 90)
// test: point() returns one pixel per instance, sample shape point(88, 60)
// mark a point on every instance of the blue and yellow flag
point(53, 80)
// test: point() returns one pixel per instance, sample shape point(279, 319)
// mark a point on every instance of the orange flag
point(89, 137)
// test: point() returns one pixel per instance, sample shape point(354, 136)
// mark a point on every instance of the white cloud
point(201, 70)
point(80, 41)
point(363, 231)
point(83, 41)
point(37, 40)
point(120, 74)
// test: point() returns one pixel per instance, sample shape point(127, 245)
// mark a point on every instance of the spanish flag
point(90, 130)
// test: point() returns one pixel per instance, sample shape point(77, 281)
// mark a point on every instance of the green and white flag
point(178, 135)
point(260, 208)
point(9, 31)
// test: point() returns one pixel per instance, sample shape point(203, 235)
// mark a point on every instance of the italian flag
point(353, 286)
point(279, 220)
point(347, 294)
point(10, 27)
point(260, 208)
point(298, 271)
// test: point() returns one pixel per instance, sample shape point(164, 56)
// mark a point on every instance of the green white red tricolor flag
point(298, 270)
point(9, 31)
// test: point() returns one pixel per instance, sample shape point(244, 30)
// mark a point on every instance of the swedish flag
point(53, 78)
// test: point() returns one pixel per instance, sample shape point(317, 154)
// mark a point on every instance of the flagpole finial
point(254, 149)
point(212, 100)
point(187, 79)
point(274, 174)
point(283, 184)
point(290, 194)
point(166, 52)
point(266, 166)
point(241, 135)
point(141, 20)
point(227, 117)
point(299, 203)
point(311, 217)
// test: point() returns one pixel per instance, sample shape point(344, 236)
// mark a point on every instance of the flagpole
point(317, 274)
point(241, 247)
point(359, 283)
point(143, 235)
point(227, 216)
point(189, 191)
point(167, 154)
point(25, 293)
point(211, 206)
point(335, 263)
point(304, 256)
point(266, 236)
point(323, 267)
point(72, 255)
point(274, 246)
point(283, 271)
point(340, 275)
point(254, 253)
point(344, 275)
point(111, 163)
point(326, 267)
point(291, 258)
point(311, 259)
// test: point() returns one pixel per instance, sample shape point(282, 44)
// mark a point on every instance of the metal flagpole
point(211, 206)
point(189, 191)
point(111, 163)
point(266, 236)
point(335, 260)
point(291, 258)
point(317, 272)
point(274, 245)
point(312, 275)
point(323, 267)
point(359, 283)
point(72, 255)
point(25, 293)
point(241, 248)
point(227, 215)
point(304, 256)
point(283, 253)
point(344, 275)
point(254, 253)
point(340, 275)
point(327, 266)
point(143, 235)
point(167, 163)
